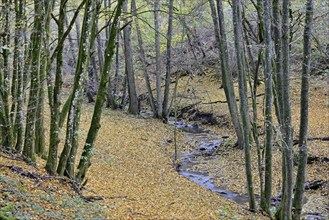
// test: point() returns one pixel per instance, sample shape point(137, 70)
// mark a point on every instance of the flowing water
point(207, 143)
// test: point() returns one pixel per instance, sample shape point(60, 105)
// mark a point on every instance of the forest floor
point(132, 169)
point(226, 164)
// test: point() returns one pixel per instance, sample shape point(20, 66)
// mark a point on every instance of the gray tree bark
point(243, 95)
point(5, 91)
point(133, 99)
point(67, 158)
point(158, 59)
point(286, 115)
point(28, 150)
point(227, 79)
point(143, 58)
point(55, 94)
point(87, 153)
point(268, 107)
point(19, 54)
point(168, 64)
point(303, 126)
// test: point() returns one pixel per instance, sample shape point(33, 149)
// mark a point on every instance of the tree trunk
point(57, 116)
point(286, 116)
point(133, 99)
point(19, 44)
point(158, 59)
point(96, 5)
point(277, 35)
point(117, 66)
point(265, 204)
point(303, 126)
point(87, 153)
point(45, 58)
point(28, 150)
point(112, 86)
point(143, 58)
point(55, 94)
point(168, 67)
point(88, 34)
point(8, 139)
point(243, 93)
point(227, 79)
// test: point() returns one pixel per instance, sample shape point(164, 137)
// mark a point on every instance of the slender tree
point(87, 39)
point(54, 91)
point(133, 99)
point(227, 79)
point(303, 126)
point(45, 57)
point(268, 107)
point(244, 109)
point(87, 153)
point(157, 59)
point(28, 150)
point(277, 35)
point(8, 139)
point(168, 58)
point(285, 212)
point(143, 58)
point(18, 66)
point(55, 100)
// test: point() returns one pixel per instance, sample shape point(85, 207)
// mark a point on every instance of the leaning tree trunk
point(87, 153)
point(303, 127)
point(168, 58)
point(88, 34)
point(243, 94)
point(143, 58)
point(227, 79)
point(96, 5)
point(57, 116)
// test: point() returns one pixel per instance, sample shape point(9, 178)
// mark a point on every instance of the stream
point(207, 143)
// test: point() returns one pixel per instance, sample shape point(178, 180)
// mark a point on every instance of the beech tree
point(244, 109)
point(227, 78)
point(4, 79)
point(87, 39)
point(286, 116)
point(133, 99)
point(18, 62)
point(303, 126)
point(168, 58)
point(29, 148)
point(143, 58)
point(268, 107)
point(33, 61)
point(157, 59)
point(54, 90)
point(87, 153)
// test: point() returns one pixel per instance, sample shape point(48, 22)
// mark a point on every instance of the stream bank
point(206, 146)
